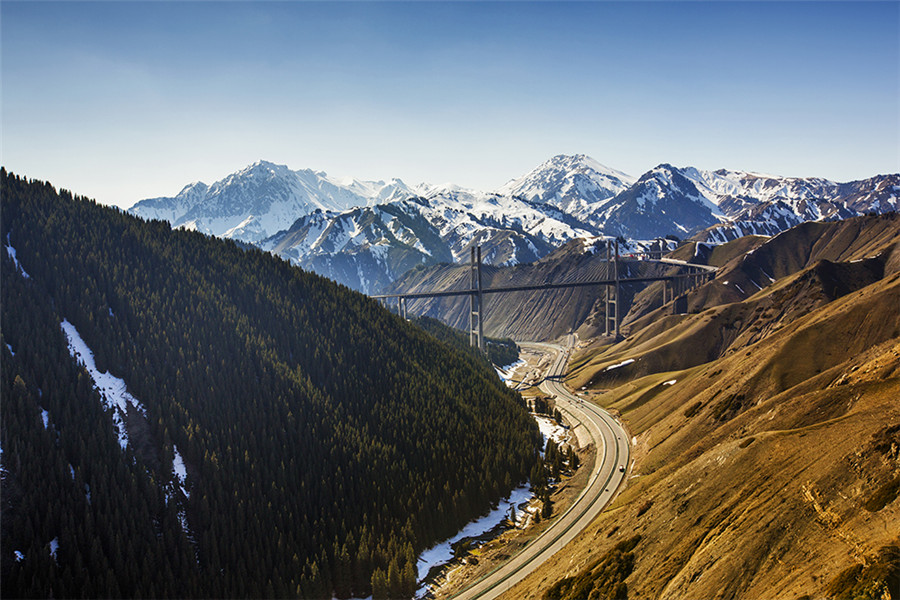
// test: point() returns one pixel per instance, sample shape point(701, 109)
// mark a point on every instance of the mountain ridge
point(563, 198)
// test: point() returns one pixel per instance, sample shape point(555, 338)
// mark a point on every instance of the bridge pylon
point(674, 285)
point(612, 291)
point(476, 301)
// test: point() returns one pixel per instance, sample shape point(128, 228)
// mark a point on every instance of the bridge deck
point(476, 313)
point(531, 288)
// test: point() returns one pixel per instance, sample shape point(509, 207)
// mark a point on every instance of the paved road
point(613, 451)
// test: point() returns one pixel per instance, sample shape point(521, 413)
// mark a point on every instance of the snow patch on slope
point(112, 390)
point(621, 364)
point(12, 254)
point(442, 552)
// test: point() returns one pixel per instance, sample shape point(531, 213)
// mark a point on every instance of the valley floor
point(480, 553)
point(577, 499)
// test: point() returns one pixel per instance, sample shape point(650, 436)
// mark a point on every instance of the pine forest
point(287, 437)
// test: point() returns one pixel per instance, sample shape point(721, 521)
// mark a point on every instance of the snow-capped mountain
point(662, 202)
point(262, 199)
point(510, 229)
point(366, 234)
point(577, 185)
point(364, 248)
point(767, 205)
point(367, 248)
point(685, 201)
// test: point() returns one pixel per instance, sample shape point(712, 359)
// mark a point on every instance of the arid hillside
point(744, 270)
point(766, 431)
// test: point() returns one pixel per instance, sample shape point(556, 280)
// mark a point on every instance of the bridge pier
point(660, 249)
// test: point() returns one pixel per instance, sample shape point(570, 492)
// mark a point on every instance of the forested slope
point(326, 442)
point(500, 352)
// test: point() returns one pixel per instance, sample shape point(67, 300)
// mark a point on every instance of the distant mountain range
point(366, 234)
point(263, 199)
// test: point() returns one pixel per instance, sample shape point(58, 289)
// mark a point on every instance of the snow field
point(621, 364)
point(505, 373)
point(12, 254)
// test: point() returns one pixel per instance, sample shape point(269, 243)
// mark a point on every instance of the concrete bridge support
point(612, 291)
point(476, 301)
point(674, 288)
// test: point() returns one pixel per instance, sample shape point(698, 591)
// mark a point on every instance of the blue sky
point(126, 100)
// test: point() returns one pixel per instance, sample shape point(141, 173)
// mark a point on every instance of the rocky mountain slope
point(749, 264)
point(766, 430)
point(577, 185)
point(766, 205)
point(368, 248)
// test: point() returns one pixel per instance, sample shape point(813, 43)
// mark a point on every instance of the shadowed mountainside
point(281, 435)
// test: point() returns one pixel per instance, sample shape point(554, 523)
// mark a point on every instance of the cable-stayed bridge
point(614, 271)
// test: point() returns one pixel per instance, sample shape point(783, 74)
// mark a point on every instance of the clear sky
point(127, 100)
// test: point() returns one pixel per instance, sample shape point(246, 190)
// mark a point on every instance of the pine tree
point(380, 588)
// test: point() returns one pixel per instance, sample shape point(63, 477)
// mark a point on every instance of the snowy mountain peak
point(564, 166)
point(197, 188)
point(585, 164)
point(578, 185)
point(264, 167)
point(263, 198)
point(364, 233)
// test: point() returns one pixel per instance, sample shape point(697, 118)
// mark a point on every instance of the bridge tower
point(663, 248)
point(612, 291)
point(476, 301)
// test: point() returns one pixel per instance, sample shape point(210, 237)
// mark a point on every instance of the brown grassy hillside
point(770, 468)
point(750, 264)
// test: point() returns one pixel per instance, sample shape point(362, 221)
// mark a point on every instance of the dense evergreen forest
point(500, 352)
point(326, 441)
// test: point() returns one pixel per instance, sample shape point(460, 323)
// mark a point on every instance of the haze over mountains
point(367, 234)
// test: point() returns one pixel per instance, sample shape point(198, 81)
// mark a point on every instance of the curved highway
point(613, 453)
